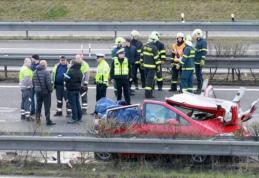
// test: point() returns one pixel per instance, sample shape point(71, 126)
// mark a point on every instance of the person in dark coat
point(73, 79)
point(43, 88)
point(132, 55)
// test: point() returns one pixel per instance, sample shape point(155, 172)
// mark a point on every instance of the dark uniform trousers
point(159, 77)
point(100, 91)
point(137, 67)
point(175, 75)
point(186, 80)
point(150, 81)
point(83, 93)
point(61, 94)
point(198, 72)
point(123, 84)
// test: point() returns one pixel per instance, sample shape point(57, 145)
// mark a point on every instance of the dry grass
point(87, 10)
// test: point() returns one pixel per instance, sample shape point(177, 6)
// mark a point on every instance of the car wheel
point(199, 158)
point(103, 156)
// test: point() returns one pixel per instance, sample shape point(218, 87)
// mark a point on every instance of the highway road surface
point(10, 122)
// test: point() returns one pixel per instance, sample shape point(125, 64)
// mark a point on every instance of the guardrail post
point(115, 34)
point(58, 157)
point(89, 49)
point(27, 34)
point(207, 34)
point(5, 71)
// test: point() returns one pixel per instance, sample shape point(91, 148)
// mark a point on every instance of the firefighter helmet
point(179, 35)
point(119, 40)
point(153, 37)
point(197, 33)
point(134, 34)
point(156, 33)
point(188, 40)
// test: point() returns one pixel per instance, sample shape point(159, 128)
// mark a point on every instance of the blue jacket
point(59, 74)
point(131, 54)
point(187, 62)
point(201, 50)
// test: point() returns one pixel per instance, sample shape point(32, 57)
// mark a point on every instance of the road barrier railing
point(130, 145)
point(128, 26)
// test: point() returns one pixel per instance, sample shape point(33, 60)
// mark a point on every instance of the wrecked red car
point(186, 115)
point(182, 115)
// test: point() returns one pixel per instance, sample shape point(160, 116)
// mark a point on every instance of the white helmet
point(152, 38)
point(179, 35)
point(197, 33)
point(188, 40)
point(134, 34)
point(156, 33)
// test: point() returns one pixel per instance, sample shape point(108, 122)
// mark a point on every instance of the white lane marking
point(7, 109)
point(165, 88)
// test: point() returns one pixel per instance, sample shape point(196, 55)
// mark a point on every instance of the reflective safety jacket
point(139, 45)
point(161, 50)
point(177, 52)
point(25, 77)
point(187, 62)
point(102, 73)
point(85, 69)
point(150, 57)
point(120, 68)
point(201, 50)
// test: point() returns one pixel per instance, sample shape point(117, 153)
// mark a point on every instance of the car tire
point(199, 158)
point(103, 156)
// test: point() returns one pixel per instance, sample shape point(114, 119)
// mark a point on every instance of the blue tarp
point(128, 115)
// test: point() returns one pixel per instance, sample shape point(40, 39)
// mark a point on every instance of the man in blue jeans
point(73, 79)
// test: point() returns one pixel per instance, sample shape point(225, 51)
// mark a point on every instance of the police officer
point(120, 74)
point(136, 67)
point(200, 57)
point(177, 53)
point(85, 69)
point(25, 82)
point(162, 57)
point(58, 80)
point(119, 43)
point(187, 64)
point(102, 76)
point(150, 61)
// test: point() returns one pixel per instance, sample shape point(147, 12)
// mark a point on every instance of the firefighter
point(136, 67)
point(150, 61)
point(25, 82)
point(84, 85)
point(200, 57)
point(58, 80)
point(187, 65)
point(177, 53)
point(102, 76)
point(119, 43)
point(162, 57)
point(120, 74)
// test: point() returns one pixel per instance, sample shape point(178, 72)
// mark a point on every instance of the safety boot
point(58, 113)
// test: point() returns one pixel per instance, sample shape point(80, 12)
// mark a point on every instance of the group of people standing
point(129, 58)
point(69, 79)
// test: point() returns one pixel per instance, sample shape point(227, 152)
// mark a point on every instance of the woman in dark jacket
point(73, 79)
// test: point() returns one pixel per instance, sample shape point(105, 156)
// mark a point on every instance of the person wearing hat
point(187, 65)
point(35, 62)
point(58, 80)
point(120, 75)
point(102, 76)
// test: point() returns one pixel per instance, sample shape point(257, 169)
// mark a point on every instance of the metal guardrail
point(128, 26)
point(128, 145)
point(234, 65)
point(211, 62)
